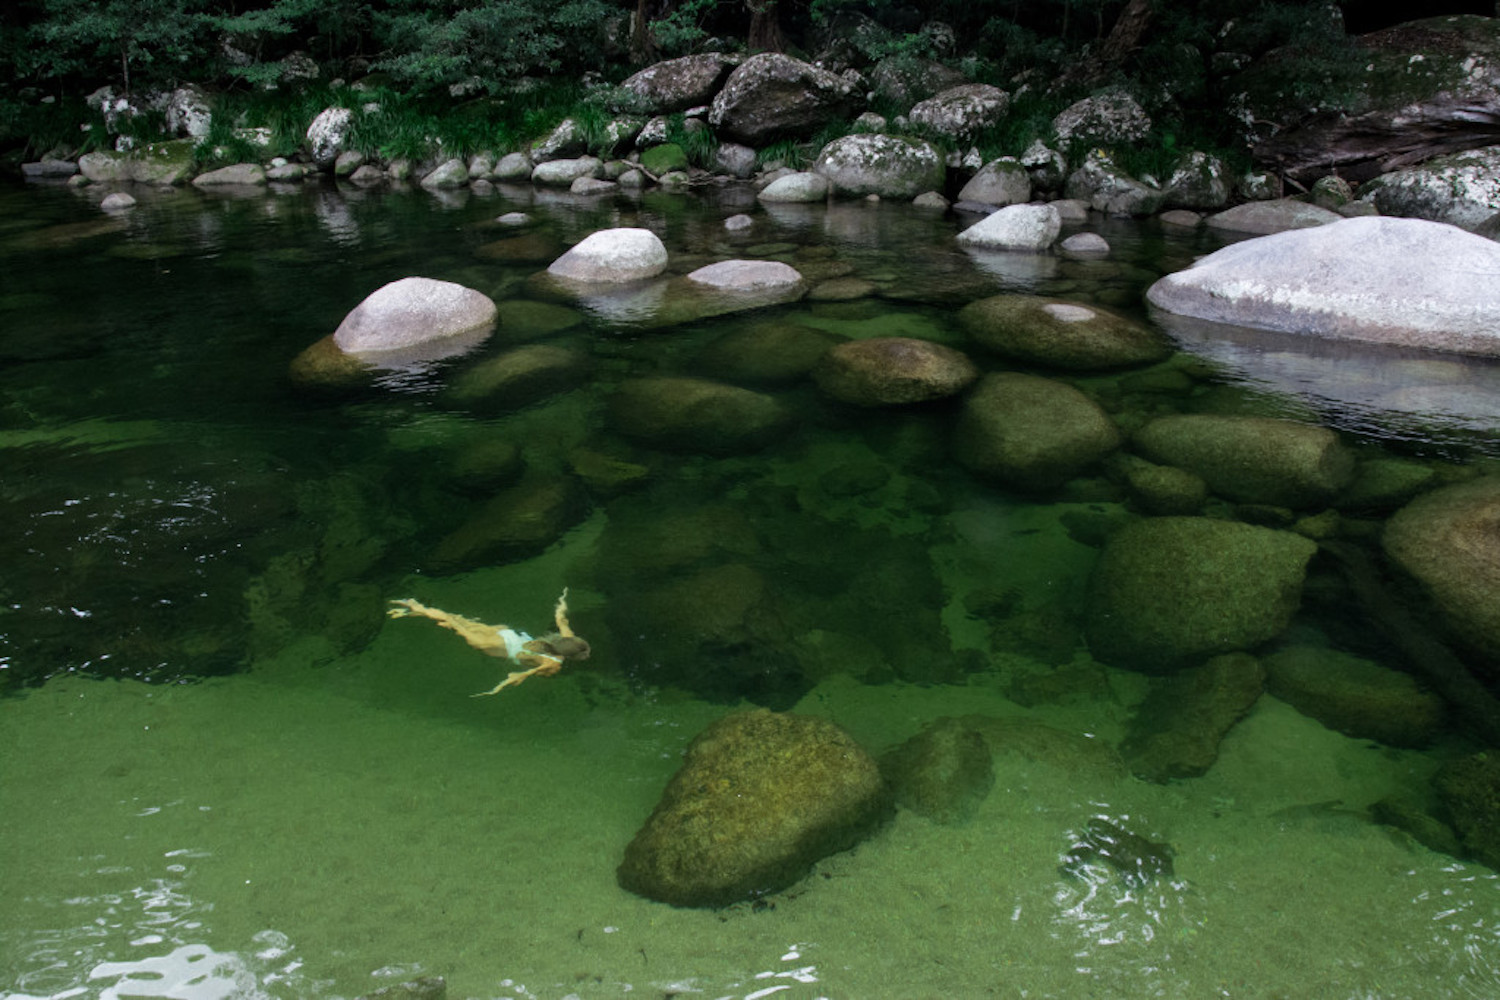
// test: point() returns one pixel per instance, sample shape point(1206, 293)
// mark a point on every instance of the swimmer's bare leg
point(485, 638)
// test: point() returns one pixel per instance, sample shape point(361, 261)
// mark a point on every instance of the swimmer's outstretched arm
point(560, 615)
point(485, 638)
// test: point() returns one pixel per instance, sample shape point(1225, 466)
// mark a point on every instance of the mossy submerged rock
point(1176, 731)
point(893, 371)
point(944, 772)
point(760, 798)
point(1355, 696)
point(1030, 432)
point(664, 158)
point(519, 377)
point(1060, 334)
point(1469, 788)
point(767, 351)
point(519, 521)
point(1252, 459)
point(697, 415)
point(1171, 590)
point(1449, 541)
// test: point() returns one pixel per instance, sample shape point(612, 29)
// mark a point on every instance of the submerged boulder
point(1176, 731)
point(1394, 281)
point(612, 256)
point(1030, 432)
point(760, 797)
point(1168, 591)
point(771, 95)
point(944, 772)
point(891, 371)
point(1060, 334)
point(412, 312)
point(517, 522)
point(1252, 459)
point(1449, 541)
point(1355, 696)
point(886, 165)
point(697, 415)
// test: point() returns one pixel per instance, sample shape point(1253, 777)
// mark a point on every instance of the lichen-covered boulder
point(697, 415)
point(1170, 591)
point(1199, 182)
point(999, 182)
point(886, 165)
point(1176, 731)
point(892, 371)
point(1462, 189)
point(961, 112)
point(676, 84)
point(1108, 118)
point(1252, 459)
point(1026, 228)
point(413, 312)
point(188, 112)
point(944, 772)
point(1274, 216)
point(1060, 334)
point(1108, 189)
point(760, 797)
point(1449, 541)
point(1047, 167)
point(1396, 281)
point(613, 256)
point(1355, 696)
point(513, 167)
point(796, 188)
point(771, 95)
point(1030, 432)
point(904, 80)
point(328, 135)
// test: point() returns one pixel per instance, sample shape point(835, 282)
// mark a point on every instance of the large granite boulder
point(328, 136)
point(886, 165)
point(1394, 281)
point(161, 163)
point(1170, 591)
point(772, 95)
point(1027, 228)
point(189, 112)
point(1449, 541)
point(1109, 189)
point(1274, 216)
point(697, 415)
point(903, 80)
point(676, 84)
point(1252, 459)
point(892, 371)
point(612, 256)
point(413, 312)
point(1060, 334)
point(961, 113)
point(1030, 432)
point(760, 797)
point(1105, 119)
point(1000, 182)
point(1462, 189)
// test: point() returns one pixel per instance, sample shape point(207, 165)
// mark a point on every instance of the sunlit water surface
point(323, 810)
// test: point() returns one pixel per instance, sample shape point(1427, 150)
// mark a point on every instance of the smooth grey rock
point(1182, 217)
point(772, 94)
point(243, 174)
point(514, 167)
point(613, 256)
point(117, 201)
point(446, 176)
point(1084, 245)
point(1031, 228)
point(1000, 182)
point(411, 312)
point(1031, 432)
point(1275, 216)
point(932, 200)
point(1170, 591)
point(796, 188)
point(1392, 281)
point(746, 275)
point(562, 173)
point(1071, 209)
point(885, 165)
point(738, 223)
point(735, 160)
point(347, 162)
point(592, 186)
point(49, 168)
point(961, 112)
point(367, 175)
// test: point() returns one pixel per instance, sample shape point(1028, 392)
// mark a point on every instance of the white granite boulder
point(886, 165)
point(1108, 118)
point(413, 312)
point(562, 173)
point(1462, 189)
point(1405, 282)
point(999, 182)
point(328, 135)
point(796, 188)
point(747, 275)
point(1016, 227)
point(612, 256)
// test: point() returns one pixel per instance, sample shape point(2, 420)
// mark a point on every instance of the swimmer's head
point(569, 647)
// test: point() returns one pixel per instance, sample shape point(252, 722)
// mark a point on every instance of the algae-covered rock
point(1170, 590)
point(520, 521)
point(892, 371)
point(1031, 432)
point(664, 158)
point(697, 415)
point(766, 351)
point(760, 798)
point(944, 772)
point(1449, 541)
point(1252, 459)
point(1469, 789)
point(519, 377)
point(1176, 731)
point(1355, 696)
point(1060, 334)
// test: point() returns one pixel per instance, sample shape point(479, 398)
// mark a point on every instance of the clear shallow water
point(330, 812)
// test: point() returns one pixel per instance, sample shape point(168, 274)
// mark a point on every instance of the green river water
point(224, 773)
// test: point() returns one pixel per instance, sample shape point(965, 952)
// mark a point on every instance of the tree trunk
point(1123, 39)
point(765, 28)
